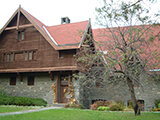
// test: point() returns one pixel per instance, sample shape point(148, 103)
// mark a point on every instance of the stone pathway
point(29, 111)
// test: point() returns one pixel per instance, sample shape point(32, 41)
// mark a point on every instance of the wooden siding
point(44, 54)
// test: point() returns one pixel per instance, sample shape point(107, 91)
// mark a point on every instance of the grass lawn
point(67, 114)
point(4, 109)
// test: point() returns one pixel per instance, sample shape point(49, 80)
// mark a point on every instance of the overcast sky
point(50, 11)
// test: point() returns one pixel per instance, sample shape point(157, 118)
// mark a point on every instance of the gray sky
point(50, 11)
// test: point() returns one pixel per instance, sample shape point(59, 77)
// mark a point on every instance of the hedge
point(22, 101)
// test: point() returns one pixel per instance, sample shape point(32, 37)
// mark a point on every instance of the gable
point(59, 37)
point(22, 20)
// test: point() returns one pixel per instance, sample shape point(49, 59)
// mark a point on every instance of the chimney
point(65, 20)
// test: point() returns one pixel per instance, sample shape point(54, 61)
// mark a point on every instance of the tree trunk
point(133, 97)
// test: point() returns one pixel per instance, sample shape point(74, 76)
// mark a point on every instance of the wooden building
point(30, 50)
point(38, 61)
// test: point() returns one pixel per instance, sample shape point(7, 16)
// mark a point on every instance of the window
point(29, 55)
point(13, 80)
point(26, 56)
point(31, 80)
point(20, 35)
point(9, 57)
point(66, 53)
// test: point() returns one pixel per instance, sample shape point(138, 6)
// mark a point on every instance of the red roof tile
point(65, 34)
point(104, 40)
point(68, 34)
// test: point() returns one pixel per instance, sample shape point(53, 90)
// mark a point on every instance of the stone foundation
point(41, 88)
point(148, 90)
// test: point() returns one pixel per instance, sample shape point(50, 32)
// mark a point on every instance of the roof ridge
point(67, 24)
point(126, 26)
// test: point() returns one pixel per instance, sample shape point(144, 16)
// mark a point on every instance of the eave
point(45, 69)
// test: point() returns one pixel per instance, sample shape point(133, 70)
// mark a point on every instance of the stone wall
point(41, 88)
point(148, 90)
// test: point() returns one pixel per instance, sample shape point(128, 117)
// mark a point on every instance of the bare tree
point(129, 48)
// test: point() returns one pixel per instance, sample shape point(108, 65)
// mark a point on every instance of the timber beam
point(20, 27)
point(18, 17)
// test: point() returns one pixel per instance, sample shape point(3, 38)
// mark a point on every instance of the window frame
point(29, 55)
point(21, 35)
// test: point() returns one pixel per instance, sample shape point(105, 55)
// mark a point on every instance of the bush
point(2, 93)
point(109, 102)
point(116, 107)
point(103, 108)
point(75, 106)
point(108, 105)
point(156, 109)
point(93, 107)
point(157, 102)
point(159, 105)
point(97, 104)
point(22, 101)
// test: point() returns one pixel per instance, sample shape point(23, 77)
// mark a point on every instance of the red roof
point(104, 40)
point(65, 34)
point(68, 34)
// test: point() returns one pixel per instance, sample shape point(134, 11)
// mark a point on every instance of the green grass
point(67, 114)
point(4, 109)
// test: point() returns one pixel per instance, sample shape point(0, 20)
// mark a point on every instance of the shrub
point(130, 104)
point(157, 102)
point(93, 107)
point(109, 103)
point(97, 104)
point(3, 93)
point(22, 101)
point(159, 105)
point(66, 106)
point(156, 109)
point(103, 108)
point(116, 107)
point(75, 106)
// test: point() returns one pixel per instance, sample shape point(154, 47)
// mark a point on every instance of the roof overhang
point(46, 69)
